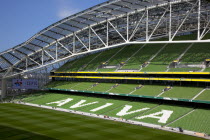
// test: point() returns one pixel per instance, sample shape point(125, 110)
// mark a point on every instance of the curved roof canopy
point(76, 23)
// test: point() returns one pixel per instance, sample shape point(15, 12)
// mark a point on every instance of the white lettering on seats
point(162, 119)
point(101, 107)
point(62, 102)
point(80, 104)
point(125, 110)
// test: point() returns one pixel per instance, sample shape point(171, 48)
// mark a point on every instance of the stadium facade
point(109, 24)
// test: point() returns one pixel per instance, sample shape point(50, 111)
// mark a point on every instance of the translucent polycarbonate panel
point(76, 24)
point(33, 47)
point(25, 51)
point(62, 31)
point(45, 39)
point(10, 58)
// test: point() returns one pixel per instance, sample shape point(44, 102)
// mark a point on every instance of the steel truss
point(111, 24)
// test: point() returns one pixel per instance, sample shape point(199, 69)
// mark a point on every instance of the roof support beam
point(49, 55)
point(64, 47)
point(158, 24)
point(188, 13)
point(117, 31)
point(204, 31)
point(34, 61)
point(98, 36)
point(81, 41)
point(199, 19)
point(137, 26)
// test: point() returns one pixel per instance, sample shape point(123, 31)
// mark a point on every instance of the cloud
point(62, 13)
point(65, 8)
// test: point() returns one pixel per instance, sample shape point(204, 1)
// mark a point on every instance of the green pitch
point(25, 122)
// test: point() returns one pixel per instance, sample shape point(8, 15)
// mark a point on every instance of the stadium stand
point(180, 92)
point(142, 56)
point(194, 58)
point(143, 59)
point(165, 57)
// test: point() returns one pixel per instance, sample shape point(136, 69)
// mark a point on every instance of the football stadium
point(122, 69)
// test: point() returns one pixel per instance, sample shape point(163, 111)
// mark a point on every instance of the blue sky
point(21, 19)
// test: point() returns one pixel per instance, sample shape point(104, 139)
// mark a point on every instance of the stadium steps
point(116, 85)
point(185, 51)
point(131, 57)
point(92, 86)
point(163, 92)
point(195, 57)
point(141, 57)
point(153, 57)
point(183, 54)
point(180, 117)
point(66, 66)
point(104, 69)
point(132, 91)
point(160, 94)
point(82, 68)
point(198, 94)
point(203, 69)
point(115, 54)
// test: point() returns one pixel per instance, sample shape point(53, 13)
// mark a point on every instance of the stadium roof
point(72, 24)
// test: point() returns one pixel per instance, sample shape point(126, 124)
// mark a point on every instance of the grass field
point(177, 112)
point(25, 122)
